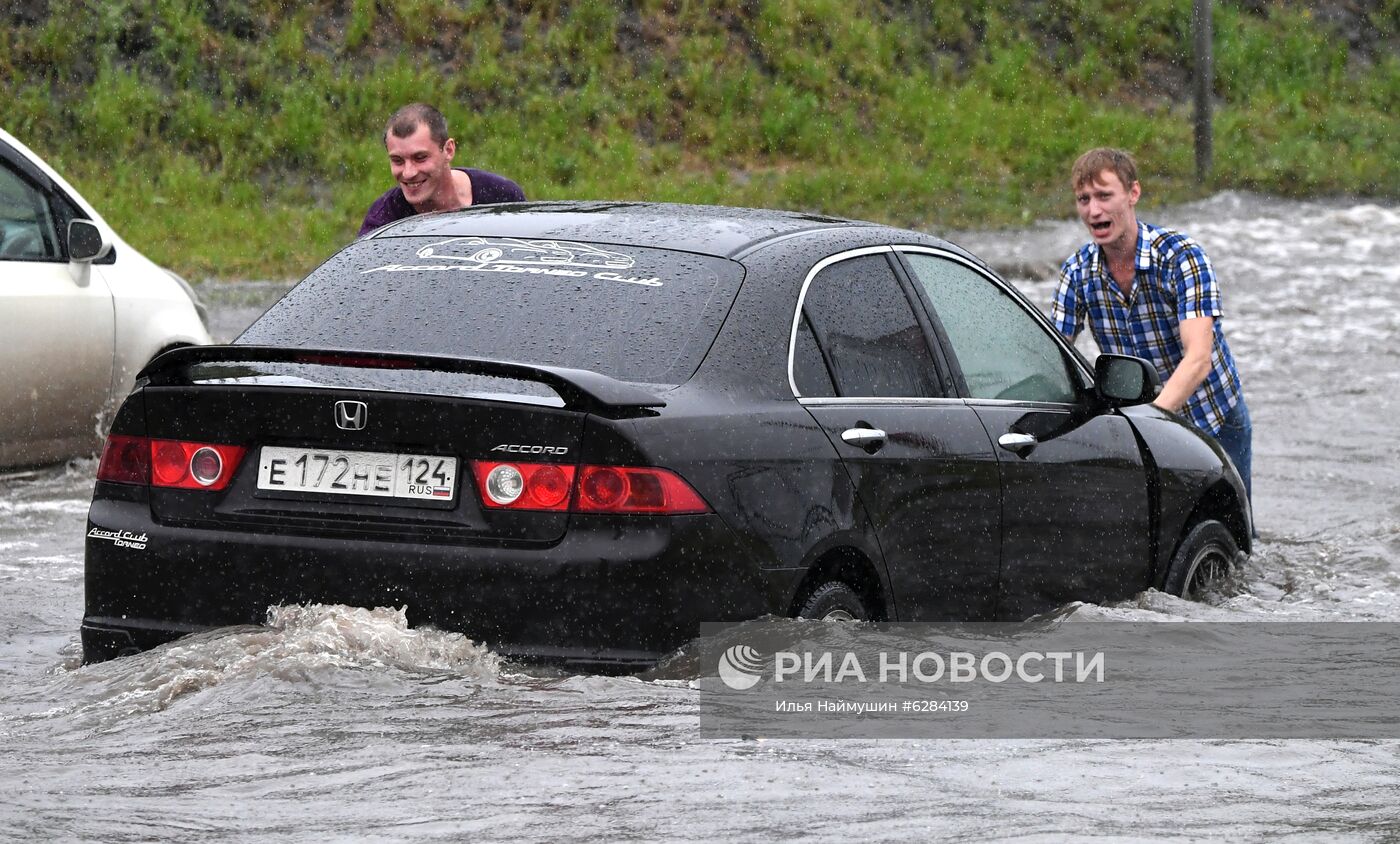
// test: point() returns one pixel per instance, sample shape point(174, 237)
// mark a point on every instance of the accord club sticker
point(525, 257)
point(514, 250)
point(120, 538)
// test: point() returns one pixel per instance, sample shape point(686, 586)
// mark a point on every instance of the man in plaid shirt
point(1151, 292)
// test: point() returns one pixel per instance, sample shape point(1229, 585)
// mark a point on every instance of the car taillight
point(584, 489)
point(125, 460)
point(185, 465)
point(617, 489)
point(524, 486)
point(168, 463)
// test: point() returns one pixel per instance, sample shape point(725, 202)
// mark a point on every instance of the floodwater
point(336, 723)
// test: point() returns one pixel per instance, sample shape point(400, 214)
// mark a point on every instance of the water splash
point(300, 643)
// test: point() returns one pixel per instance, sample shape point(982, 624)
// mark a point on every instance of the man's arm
point(1198, 305)
point(367, 226)
point(1066, 308)
point(1197, 341)
point(381, 212)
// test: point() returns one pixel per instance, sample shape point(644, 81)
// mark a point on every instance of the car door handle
point(1018, 444)
point(870, 439)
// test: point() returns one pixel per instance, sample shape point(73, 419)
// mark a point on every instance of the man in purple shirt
point(420, 157)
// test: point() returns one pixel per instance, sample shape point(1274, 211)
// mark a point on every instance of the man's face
point(419, 165)
point(1106, 207)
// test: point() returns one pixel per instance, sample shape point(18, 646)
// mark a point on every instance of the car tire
point(834, 601)
point(1205, 556)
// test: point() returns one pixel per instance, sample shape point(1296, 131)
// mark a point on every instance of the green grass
point(240, 138)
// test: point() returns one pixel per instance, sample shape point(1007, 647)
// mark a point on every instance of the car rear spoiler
point(580, 388)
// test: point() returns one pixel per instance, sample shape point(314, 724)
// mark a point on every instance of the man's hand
point(1197, 340)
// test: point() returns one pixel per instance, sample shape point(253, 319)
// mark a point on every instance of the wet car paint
point(793, 505)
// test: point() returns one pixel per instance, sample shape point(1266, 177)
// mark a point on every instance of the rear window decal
point(528, 257)
point(514, 250)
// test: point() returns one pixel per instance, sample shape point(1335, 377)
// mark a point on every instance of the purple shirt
point(487, 189)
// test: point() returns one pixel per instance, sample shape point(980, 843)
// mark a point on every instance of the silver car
point(81, 312)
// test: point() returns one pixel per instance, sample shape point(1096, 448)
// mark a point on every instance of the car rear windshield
point(635, 314)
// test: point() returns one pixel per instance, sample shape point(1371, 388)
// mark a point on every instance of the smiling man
point(420, 157)
point(1151, 292)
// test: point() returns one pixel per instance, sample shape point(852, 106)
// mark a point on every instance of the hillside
point(242, 137)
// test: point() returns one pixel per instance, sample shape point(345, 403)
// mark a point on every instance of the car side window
point(27, 228)
point(810, 371)
point(862, 335)
point(1003, 351)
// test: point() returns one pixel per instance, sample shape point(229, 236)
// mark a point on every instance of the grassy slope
point(241, 137)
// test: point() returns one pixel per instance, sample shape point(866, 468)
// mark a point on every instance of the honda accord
point(748, 413)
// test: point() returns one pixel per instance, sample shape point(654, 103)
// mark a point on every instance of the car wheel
point(834, 601)
point(1204, 557)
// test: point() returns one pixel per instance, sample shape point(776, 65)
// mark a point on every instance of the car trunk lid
point(370, 443)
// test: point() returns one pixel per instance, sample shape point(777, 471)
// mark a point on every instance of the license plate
point(374, 473)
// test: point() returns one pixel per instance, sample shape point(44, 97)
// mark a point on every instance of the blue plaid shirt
point(1173, 282)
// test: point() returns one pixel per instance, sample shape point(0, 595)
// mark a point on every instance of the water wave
point(299, 643)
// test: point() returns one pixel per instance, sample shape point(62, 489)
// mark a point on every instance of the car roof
point(702, 229)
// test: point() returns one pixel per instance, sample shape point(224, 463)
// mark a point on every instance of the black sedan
point(752, 412)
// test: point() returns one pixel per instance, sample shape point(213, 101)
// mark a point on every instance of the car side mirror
point(85, 241)
point(1123, 380)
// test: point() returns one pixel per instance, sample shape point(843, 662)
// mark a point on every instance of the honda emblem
point(351, 415)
